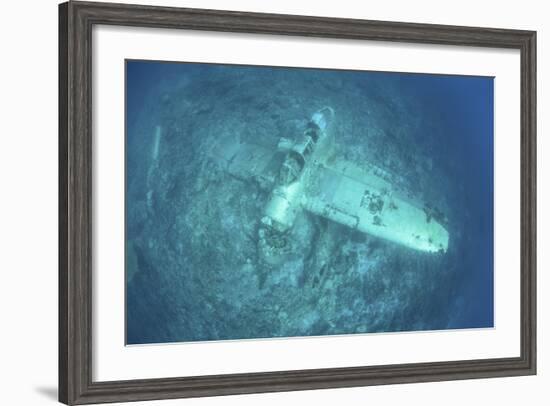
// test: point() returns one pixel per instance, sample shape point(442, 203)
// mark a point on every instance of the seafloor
point(192, 264)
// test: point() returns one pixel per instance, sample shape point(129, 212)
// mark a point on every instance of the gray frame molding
point(75, 179)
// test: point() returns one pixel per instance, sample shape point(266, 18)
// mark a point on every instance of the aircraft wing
point(247, 161)
point(365, 200)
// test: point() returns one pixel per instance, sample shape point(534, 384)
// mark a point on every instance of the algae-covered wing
point(365, 200)
point(249, 161)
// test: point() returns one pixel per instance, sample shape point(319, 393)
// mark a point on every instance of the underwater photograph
point(274, 202)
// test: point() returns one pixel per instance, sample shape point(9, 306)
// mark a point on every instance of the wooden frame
point(75, 179)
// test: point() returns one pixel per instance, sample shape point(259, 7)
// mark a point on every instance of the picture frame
point(76, 351)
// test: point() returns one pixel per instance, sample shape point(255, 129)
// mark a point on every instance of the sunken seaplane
point(307, 174)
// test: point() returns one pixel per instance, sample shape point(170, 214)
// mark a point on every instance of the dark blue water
point(193, 269)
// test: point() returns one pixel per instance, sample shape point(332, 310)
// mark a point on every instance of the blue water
point(192, 263)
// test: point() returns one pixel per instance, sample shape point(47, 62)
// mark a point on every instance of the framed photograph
point(255, 202)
